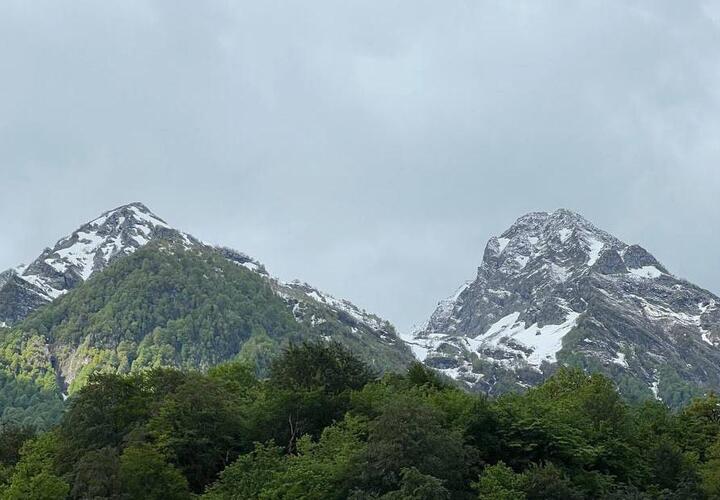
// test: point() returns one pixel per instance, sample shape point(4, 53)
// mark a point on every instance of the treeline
point(323, 426)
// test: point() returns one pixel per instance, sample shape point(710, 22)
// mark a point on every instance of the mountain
point(555, 290)
point(74, 258)
point(127, 292)
point(118, 233)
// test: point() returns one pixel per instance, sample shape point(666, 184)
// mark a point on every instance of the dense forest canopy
point(323, 425)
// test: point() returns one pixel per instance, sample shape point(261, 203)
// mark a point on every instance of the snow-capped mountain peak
point(123, 230)
point(94, 245)
point(555, 287)
point(561, 245)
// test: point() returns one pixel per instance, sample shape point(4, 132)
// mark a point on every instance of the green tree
point(104, 412)
point(145, 475)
point(324, 469)
point(249, 475)
point(548, 481)
point(328, 366)
point(409, 433)
point(12, 437)
point(420, 375)
point(415, 485)
point(711, 471)
point(34, 475)
point(499, 482)
point(699, 424)
point(97, 475)
point(201, 427)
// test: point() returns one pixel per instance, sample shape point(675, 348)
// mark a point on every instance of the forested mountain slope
point(169, 302)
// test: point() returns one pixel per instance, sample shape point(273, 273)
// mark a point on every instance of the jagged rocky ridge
point(554, 289)
point(121, 232)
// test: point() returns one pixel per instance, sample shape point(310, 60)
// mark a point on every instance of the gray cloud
point(370, 148)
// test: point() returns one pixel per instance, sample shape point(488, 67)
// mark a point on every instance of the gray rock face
point(18, 298)
point(554, 289)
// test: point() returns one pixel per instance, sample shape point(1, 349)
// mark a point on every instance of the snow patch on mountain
point(620, 359)
point(533, 344)
point(646, 272)
point(340, 305)
point(502, 243)
point(595, 246)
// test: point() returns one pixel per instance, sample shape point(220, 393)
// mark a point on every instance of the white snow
point(462, 373)
point(595, 246)
point(522, 260)
point(705, 335)
point(544, 341)
point(707, 307)
point(80, 255)
point(315, 321)
point(655, 391)
point(141, 240)
point(445, 307)
point(658, 312)
point(646, 272)
point(143, 217)
point(420, 351)
point(50, 292)
point(619, 359)
point(559, 274)
point(345, 306)
point(251, 265)
point(564, 234)
point(502, 242)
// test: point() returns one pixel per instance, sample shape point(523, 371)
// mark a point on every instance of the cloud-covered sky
point(367, 147)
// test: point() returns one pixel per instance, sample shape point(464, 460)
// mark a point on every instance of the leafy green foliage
point(250, 474)
point(97, 474)
point(25, 400)
point(201, 428)
point(414, 485)
point(326, 366)
point(145, 474)
point(35, 475)
point(500, 482)
point(710, 471)
point(321, 426)
point(409, 433)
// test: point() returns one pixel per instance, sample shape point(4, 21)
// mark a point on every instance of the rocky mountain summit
point(554, 289)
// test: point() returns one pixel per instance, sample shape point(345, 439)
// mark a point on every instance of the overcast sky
point(369, 148)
